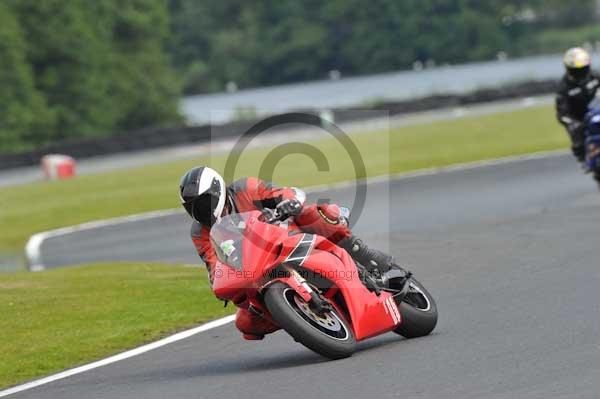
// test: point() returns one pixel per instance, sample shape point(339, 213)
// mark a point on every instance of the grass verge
point(65, 317)
point(28, 209)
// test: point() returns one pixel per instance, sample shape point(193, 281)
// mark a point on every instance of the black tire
point(419, 312)
point(285, 308)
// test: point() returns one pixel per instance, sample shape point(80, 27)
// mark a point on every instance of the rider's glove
point(289, 207)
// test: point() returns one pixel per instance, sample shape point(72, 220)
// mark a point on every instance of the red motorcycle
point(310, 287)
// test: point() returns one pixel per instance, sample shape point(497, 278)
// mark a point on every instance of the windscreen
point(226, 238)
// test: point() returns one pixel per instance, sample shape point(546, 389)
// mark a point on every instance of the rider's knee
point(250, 323)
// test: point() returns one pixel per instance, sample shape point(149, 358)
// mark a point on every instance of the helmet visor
point(203, 208)
point(578, 74)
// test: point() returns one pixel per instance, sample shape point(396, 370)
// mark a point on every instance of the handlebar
point(271, 216)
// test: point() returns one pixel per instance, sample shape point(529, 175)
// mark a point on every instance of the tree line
point(277, 41)
point(78, 68)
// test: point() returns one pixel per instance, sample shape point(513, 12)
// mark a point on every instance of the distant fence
point(150, 138)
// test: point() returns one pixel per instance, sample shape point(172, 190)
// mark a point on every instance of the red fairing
point(370, 314)
point(266, 246)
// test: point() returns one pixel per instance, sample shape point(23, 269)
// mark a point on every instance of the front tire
point(328, 334)
point(418, 310)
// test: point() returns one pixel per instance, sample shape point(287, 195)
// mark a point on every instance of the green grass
point(64, 317)
point(37, 207)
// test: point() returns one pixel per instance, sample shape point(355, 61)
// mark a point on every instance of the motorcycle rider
point(206, 199)
point(577, 89)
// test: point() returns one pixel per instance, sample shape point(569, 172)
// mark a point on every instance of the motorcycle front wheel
point(326, 333)
point(418, 310)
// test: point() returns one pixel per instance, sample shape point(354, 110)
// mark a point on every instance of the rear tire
point(328, 335)
point(418, 310)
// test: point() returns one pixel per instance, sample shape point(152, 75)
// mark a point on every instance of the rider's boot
point(376, 262)
point(585, 168)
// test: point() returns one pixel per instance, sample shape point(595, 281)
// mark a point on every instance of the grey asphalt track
point(509, 251)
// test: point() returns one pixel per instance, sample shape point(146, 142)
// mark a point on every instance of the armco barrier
point(149, 138)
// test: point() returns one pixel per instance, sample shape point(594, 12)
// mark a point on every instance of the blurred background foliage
point(278, 41)
point(78, 68)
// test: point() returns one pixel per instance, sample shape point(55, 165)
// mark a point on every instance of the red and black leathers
point(572, 102)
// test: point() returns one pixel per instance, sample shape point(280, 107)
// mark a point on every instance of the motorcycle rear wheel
point(327, 334)
point(418, 310)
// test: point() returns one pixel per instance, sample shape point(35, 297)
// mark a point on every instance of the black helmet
point(577, 62)
point(203, 193)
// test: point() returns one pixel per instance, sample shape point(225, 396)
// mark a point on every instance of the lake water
point(221, 107)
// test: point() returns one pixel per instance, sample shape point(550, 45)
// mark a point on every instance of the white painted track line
point(119, 357)
point(32, 248)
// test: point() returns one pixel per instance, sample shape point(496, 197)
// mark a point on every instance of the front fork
point(302, 288)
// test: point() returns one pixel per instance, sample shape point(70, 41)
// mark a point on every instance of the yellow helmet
point(578, 63)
